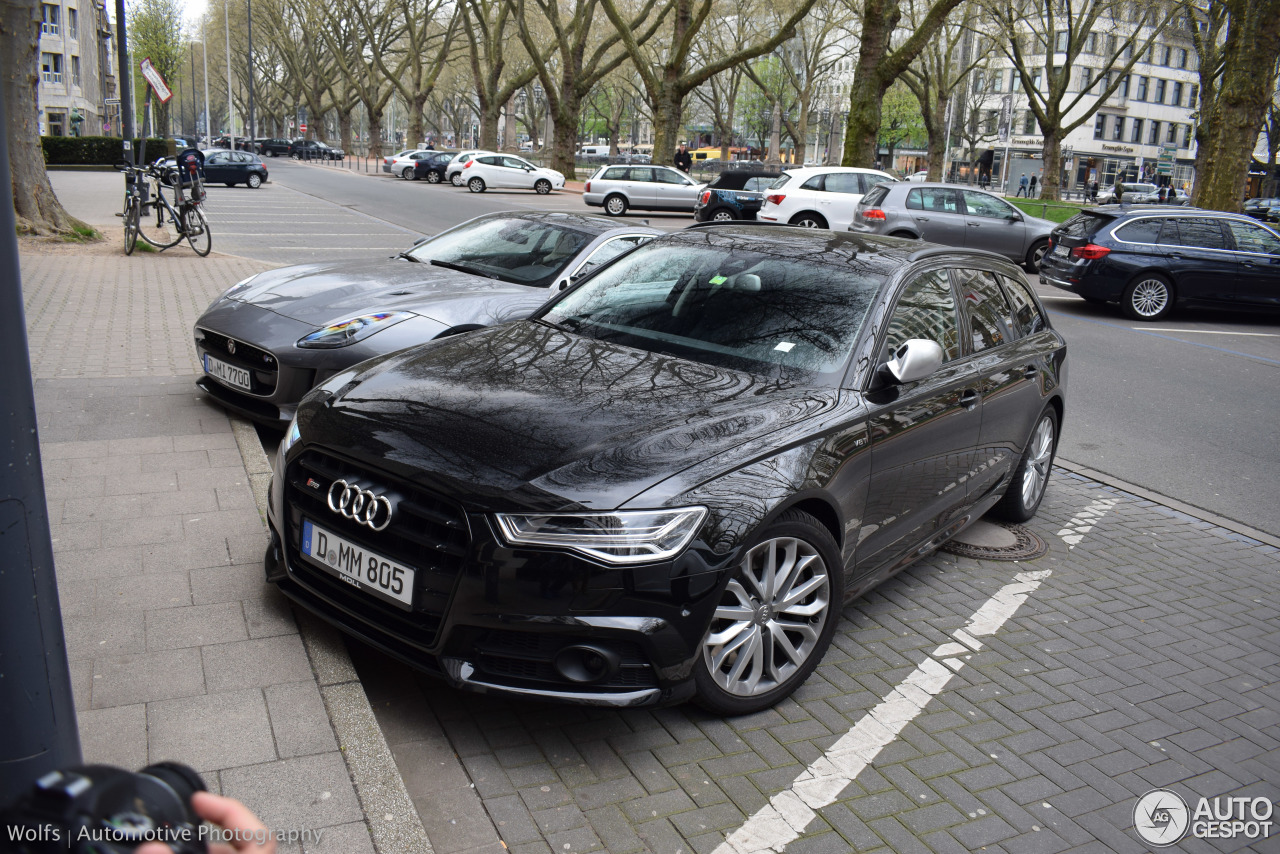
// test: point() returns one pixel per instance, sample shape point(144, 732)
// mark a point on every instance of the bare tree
point(1047, 47)
point(1238, 42)
point(353, 39)
point(669, 75)
point(487, 28)
point(425, 39)
point(155, 31)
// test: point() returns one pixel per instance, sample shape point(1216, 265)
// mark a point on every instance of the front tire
point(542, 186)
point(132, 224)
point(1148, 298)
point(456, 179)
point(808, 220)
point(615, 205)
point(476, 185)
point(1027, 484)
point(255, 181)
point(407, 173)
point(775, 619)
point(1035, 255)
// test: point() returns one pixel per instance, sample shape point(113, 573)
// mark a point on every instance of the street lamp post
point(253, 131)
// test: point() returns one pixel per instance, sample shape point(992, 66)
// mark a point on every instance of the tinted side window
point(641, 173)
point(814, 183)
point(876, 197)
point(844, 182)
point(666, 176)
point(758, 185)
point(1029, 318)
point(1253, 238)
point(1201, 233)
point(936, 199)
point(926, 309)
point(990, 320)
point(490, 161)
point(1083, 225)
point(1139, 231)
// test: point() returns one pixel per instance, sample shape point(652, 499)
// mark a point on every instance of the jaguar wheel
point(775, 618)
point(476, 185)
point(615, 205)
point(255, 181)
point(1026, 487)
point(1148, 297)
point(542, 187)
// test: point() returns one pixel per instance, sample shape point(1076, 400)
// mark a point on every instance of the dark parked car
point(1267, 210)
point(432, 169)
point(735, 194)
point(234, 167)
point(265, 342)
point(273, 147)
point(1151, 259)
point(671, 479)
point(314, 149)
point(953, 216)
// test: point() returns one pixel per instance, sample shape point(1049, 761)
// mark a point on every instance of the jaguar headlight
point(291, 436)
point(238, 288)
point(341, 333)
point(620, 537)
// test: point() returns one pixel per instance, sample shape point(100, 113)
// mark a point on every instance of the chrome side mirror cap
point(915, 359)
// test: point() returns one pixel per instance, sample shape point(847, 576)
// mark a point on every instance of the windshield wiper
point(462, 268)
point(406, 255)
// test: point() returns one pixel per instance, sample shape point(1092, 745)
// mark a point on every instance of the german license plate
point(229, 374)
point(1061, 251)
point(362, 569)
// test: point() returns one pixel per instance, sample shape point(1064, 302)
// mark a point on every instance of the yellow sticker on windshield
point(718, 280)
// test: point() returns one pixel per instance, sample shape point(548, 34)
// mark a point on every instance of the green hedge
point(96, 150)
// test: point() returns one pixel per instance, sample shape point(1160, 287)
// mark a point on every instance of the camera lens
point(183, 779)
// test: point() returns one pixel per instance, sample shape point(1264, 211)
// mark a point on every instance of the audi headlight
point(340, 333)
point(291, 436)
point(238, 287)
point(621, 537)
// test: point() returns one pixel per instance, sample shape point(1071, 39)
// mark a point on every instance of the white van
point(594, 151)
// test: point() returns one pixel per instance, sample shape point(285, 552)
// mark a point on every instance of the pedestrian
point(1093, 191)
point(1031, 194)
point(683, 161)
point(1022, 185)
point(1118, 191)
point(1161, 195)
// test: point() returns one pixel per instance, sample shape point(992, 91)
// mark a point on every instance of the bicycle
point(188, 219)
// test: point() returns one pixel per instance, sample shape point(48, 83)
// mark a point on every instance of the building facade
point(1144, 131)
point(77, 85)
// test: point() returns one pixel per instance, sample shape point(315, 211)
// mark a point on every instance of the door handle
point(974, 224)
point(1177, 255)
point(922, 219)
point(969, 399)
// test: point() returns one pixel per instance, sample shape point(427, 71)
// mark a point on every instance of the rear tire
point(476, 185)
point(723, 215)
point(433, 177)
point(1035, 255)
point(1149, 297)
point(615, 205)
point(1027, 483)
point(771, 628)
point(197, 231)
point(407, 173)
point(132, 223)
point(808, 219)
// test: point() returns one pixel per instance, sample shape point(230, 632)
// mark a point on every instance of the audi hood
point(526, 416)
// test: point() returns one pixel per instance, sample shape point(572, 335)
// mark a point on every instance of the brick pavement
point(1150, 657)
point(178, 649)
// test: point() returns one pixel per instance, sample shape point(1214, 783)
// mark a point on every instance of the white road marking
point(1083, 522)
point(789, 812)
point(1206, 331)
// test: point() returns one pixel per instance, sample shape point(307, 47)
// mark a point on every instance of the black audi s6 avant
point(665, 484)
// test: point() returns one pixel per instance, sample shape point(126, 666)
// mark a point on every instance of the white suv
point(819, 196)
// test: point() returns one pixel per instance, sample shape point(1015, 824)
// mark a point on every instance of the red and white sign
point(156, 80)
point(302, 128)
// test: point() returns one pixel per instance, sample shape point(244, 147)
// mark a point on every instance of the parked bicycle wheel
point(132, 216)
point(196, 228)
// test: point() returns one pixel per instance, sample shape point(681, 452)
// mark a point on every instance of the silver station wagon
point(651, 188)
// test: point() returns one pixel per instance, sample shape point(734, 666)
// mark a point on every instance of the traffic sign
point(156, 79)
point(302, 128)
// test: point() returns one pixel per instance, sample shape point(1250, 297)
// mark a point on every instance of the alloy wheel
point(770, 618)
point(1036, 473)
point(1150, 297)
point(722, 216)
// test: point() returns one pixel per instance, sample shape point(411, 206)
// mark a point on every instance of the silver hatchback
point(954, 216)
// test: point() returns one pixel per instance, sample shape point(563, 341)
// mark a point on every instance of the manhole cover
point(996, 541)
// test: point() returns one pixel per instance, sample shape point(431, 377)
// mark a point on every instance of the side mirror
point(1013, 216)
point(915, 359)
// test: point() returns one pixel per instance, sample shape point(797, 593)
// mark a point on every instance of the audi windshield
point(724, 304)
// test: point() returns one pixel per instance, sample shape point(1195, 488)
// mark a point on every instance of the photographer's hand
point(228, 814)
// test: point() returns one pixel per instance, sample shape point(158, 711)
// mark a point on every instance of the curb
point(389, 813)
point(1172, 503)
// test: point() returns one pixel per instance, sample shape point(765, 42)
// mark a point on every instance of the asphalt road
point(1186, 407)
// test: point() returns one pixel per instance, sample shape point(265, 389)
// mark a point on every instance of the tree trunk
point(37, 208)
point(666, 127)
point(417, 133)
point(863, 126)
point(489, 126)
point(509, 141)
point(1050, 183)
point(344, 130)
point(375, 134)
point(565, 145)
point(935, 126)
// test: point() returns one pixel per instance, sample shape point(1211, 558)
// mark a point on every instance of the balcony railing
point(49, 28)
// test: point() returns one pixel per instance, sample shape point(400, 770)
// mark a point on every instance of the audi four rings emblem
point(362, 506)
